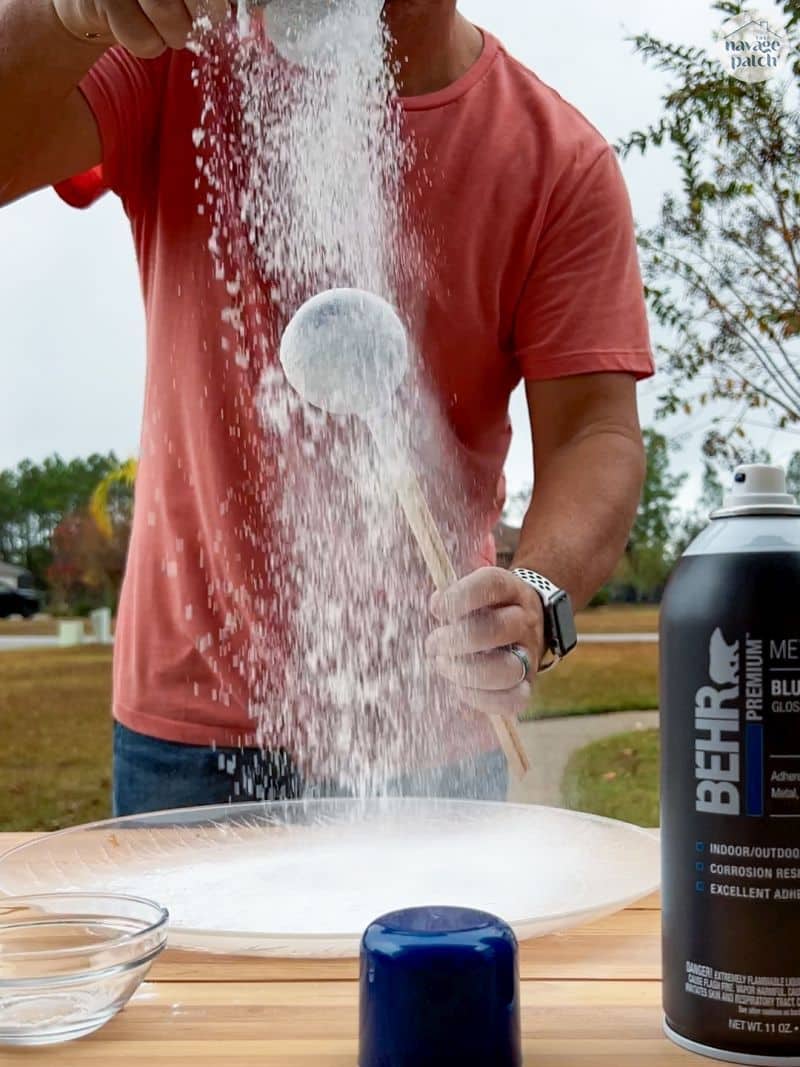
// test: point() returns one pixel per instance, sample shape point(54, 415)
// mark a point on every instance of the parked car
point(15, 601)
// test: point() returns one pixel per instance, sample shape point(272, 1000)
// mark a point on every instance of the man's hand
point(481, 615)
point(147, 28)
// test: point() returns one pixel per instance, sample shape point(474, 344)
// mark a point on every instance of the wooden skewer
point(428, 537)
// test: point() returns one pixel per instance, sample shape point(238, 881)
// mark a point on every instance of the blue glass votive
point(439, 986)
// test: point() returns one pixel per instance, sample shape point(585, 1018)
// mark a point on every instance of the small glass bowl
point(70, 961)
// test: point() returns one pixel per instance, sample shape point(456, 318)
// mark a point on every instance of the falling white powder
point(305, 166)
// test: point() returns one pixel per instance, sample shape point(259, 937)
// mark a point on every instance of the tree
point(90, 545)
point(713, 490)
point(696, 520)
point(643, 571)
point(793, 475)
point(516, 505)
point(722, 267)
point(112, 499)
point(649, 554)
point(35, 497)
point(655, 518)
point(9, 512)
point(87, 566)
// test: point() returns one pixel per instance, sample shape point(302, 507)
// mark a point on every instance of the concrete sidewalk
point(617, 639)
point(551, 742)
point(19, 641)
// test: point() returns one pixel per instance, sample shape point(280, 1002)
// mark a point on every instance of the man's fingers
point(510, 704)
point(134, 30)
point(487, 587)
point(481, 632)
point(495, 671)
point(171, 19)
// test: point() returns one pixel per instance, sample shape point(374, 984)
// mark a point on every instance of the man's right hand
point(146, 28)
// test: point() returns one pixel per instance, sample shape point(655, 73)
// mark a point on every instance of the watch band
point(543, 586)
point(547, 590)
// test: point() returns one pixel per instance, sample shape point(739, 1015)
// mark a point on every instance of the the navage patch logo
point(718, 743)
point(752, 47)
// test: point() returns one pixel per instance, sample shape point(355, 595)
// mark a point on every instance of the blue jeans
point(153, 775)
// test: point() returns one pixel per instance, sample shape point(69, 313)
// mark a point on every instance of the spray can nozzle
point(758, 489)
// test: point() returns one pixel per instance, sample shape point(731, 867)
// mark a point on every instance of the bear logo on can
point(723, 660)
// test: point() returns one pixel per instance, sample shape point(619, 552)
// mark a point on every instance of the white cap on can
point(758, 487)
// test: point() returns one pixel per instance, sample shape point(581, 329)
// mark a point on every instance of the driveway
point(551, 742)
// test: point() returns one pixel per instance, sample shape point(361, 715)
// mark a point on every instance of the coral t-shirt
point(535, 275)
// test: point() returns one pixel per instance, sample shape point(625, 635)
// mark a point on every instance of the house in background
point(16, 577)
point(506, 539)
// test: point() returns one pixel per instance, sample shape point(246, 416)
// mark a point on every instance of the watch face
point(565, 624)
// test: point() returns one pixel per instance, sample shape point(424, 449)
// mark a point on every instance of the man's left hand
point(482, 615)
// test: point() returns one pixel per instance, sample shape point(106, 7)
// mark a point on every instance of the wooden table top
point(590, 997)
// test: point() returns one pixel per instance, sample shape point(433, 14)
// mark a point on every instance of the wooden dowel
point(428, 537)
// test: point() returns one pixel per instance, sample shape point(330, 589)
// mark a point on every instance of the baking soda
point(302, 172)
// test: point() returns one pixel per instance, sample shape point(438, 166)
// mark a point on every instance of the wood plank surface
point(564, 1024)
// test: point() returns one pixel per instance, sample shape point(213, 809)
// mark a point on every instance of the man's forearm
point(582, 511)
point(41, 63)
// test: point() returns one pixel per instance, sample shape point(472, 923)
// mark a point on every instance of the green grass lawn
point(55, 737)
point(55, 726)
point(619, 619)
point(615, 618)
point(597, 678)
point(35, 627)
point(617, 777)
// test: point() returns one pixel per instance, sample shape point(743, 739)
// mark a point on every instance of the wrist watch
point(560, 633)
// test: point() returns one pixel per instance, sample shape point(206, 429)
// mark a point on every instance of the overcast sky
point(72, 334)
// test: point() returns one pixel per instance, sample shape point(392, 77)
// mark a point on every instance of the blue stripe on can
point(754, 744)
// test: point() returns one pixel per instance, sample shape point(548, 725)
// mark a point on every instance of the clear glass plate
point(305, 878)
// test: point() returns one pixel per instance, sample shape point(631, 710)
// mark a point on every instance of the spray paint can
point(730, 726)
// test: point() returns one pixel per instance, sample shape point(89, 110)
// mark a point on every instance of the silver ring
point(522, 656)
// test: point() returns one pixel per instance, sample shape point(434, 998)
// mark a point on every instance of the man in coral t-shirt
point(534, 276)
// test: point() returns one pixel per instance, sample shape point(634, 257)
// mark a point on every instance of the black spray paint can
point(730, 781)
